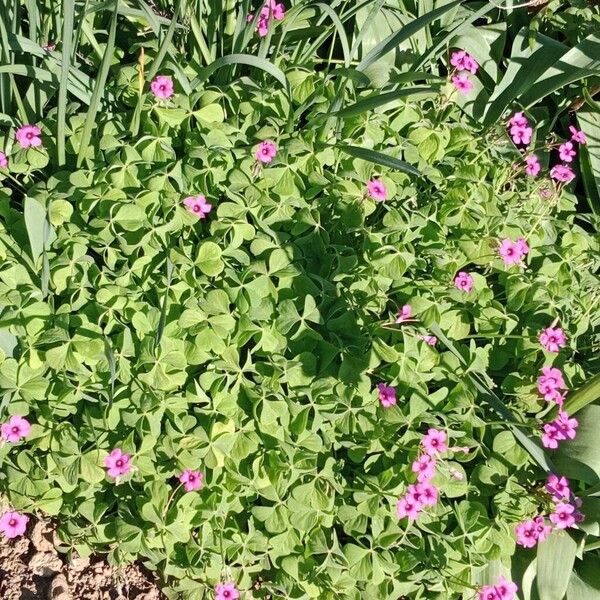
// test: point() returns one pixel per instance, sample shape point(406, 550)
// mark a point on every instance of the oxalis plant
point(277, 345)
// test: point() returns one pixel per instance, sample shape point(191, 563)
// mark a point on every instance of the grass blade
point(377, 100)
point(496, 404)
point(585, 395)
point(164, 47)
point(90, 117)
point(589, 161)
point(555, 560)
point(379, 158)
point(67, 38)
point(405, 33)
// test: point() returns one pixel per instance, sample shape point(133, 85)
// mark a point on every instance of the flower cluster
point(423, 493)
point(503, 590)
point(271, 9)
point(564, 514)
point(521, 134)
point(550, 383)
point(463, 63)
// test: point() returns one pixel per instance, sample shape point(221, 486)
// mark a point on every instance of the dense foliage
point(223, 387)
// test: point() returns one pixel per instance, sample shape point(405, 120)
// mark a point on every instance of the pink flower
point(553, 339)
point(562, 173)
point(464, 61)
point(424, 467)
point(13, 524)
point(49, 46)
point(266, 151)
point(563, 516)
point(551, 436)
point(463, 281)
point(408, 507)
point(434, 442)
point(488, 592)
point(15, 429)
point(3, 160)
point(404, 314)
point(505, 589)
point(533, 166)
point(249, 18)
point(558, 487)
point(197, 205)
point(162, 87)
point(427, 493)
point(513, 252)
point(226, 591)
point(521, 134)
point(277, 10)
point(387, 395)
point(566, 152)
point(577, 136)
point(192, 480)
point(542, 530)
point(376, 190)
point(29, 135)
point(527, 534)
point(430, 340)
point(262, 27)
point(117, 463)
point(518, 120)
point(549, 384)
point(567, 426)
point(462, 83)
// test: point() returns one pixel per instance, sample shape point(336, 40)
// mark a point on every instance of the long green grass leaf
point(555, 560)
point(164, 47)
point(379, 158)
point(67, 39)
point(589, 158)
point(405, 33)
point(588, 393)
point(90, 117)
point(486, 394)
point(377, 100)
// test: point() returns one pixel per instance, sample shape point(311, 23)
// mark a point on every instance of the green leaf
point(555, 559)
point(68, 15)
point(209, 259)
point(377, 100)
point(589, 157)
point(35, 222)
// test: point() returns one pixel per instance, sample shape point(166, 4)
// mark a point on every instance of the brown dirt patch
point(31, 569)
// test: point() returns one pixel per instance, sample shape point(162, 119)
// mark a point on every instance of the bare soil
point(32, 569)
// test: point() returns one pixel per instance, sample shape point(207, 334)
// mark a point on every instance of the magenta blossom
point(271, 9)
point(558, 487)
point(462, 83)
point(577, 136)
point(377, 190)
point(192, 480)
point(15, 429)
point(249, 18)
point(13, 524)
point(513, 252)
point(566, 425)
point(408, 507)
point(29, 136)
point(550, 382)
point(505, 589)
point(463, 61)
point(542, 530)
point(566, 152)
point(427, 493)
point(532, 167)
point(518, 120)
point(563, 515)
point(521, 134)
point(562, 173)
point(424, 467)
point(404, 314)
point(387, 395)
point(488, 592)
point(434, 442)
point(197, 205)
point(430, 340)
point(117, 463)
point(266, 151)
point(527, 534)
point(551, 436)
point(162, 87)
point(553, 339)
point(463, 281)
point(3, 160)
point(226, 591)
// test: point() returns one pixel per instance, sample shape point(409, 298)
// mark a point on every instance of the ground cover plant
point(298, 306)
